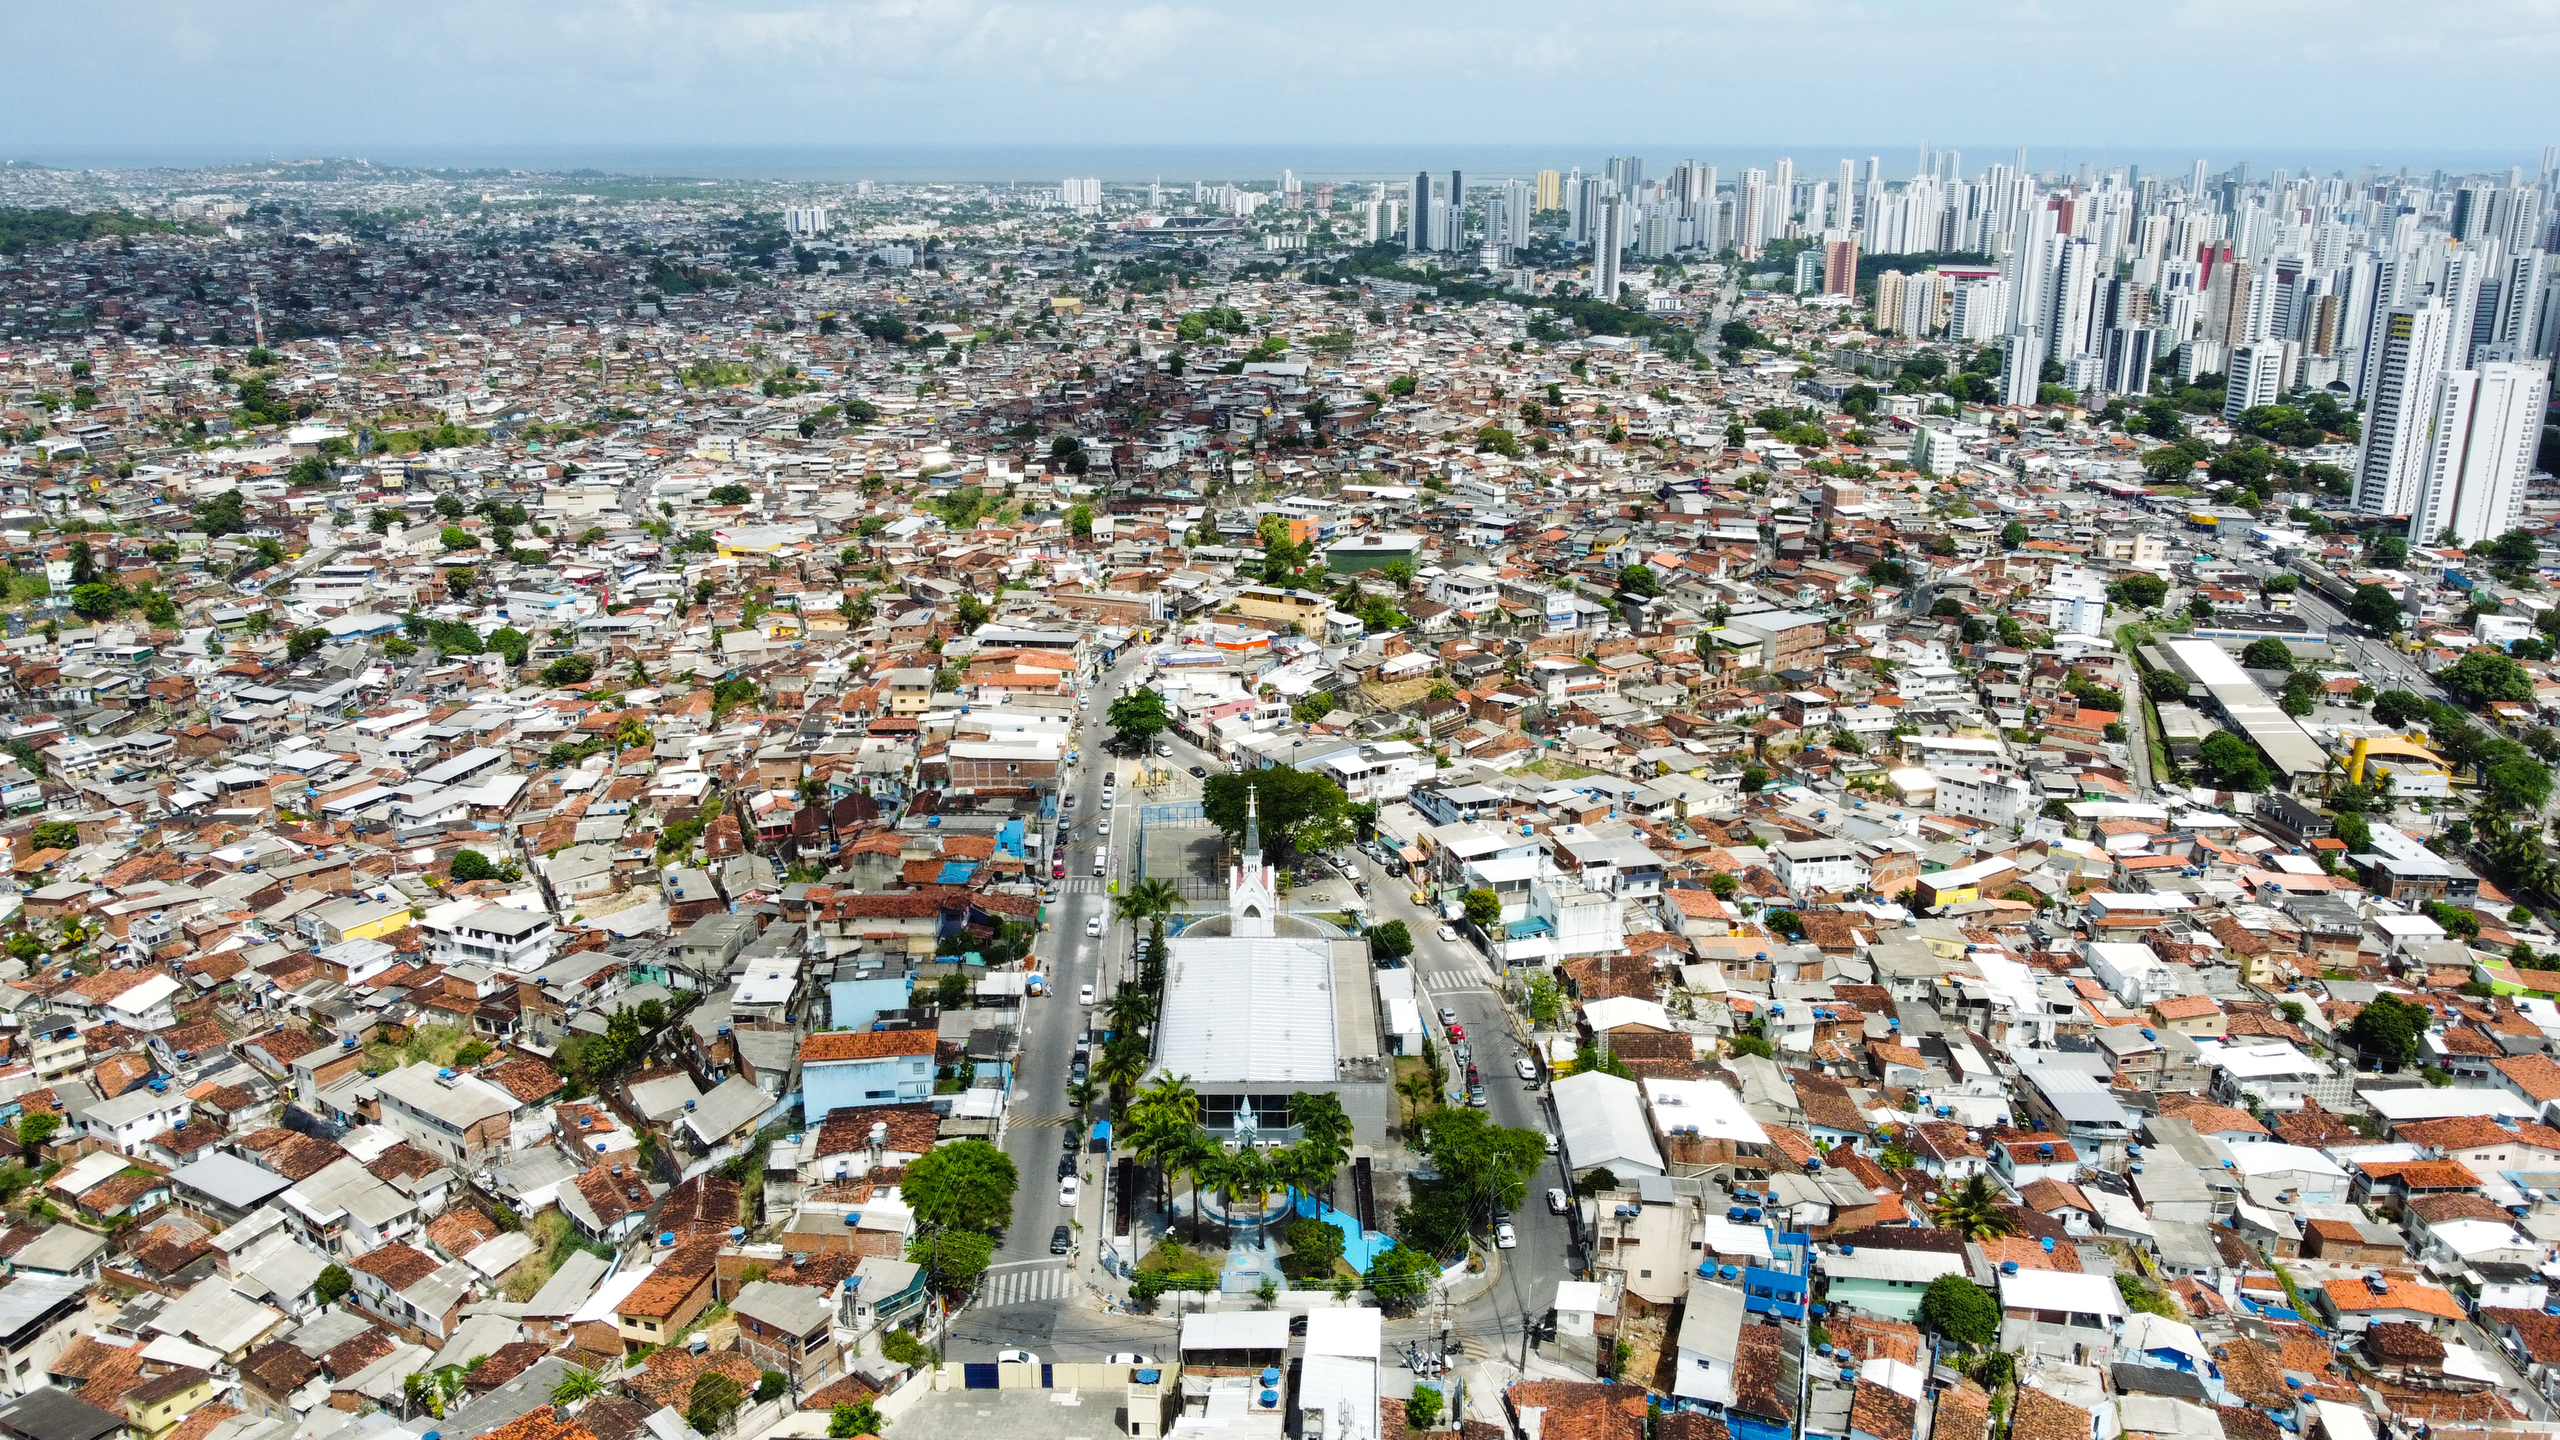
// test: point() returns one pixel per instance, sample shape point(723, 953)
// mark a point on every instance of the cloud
point(2228, 75)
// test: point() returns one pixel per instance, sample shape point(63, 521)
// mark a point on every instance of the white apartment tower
point(2411, 344)
point(1608, 240)
point(2256, 378)
point(2486, 424)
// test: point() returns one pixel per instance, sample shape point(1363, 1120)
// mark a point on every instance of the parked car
point(1525, 1068)
point(1093, 926)
point(1553, 1143)
point(1505, 1238)
point(1475, 1096)
point(1557, 1204)
point(1456, 1030)
point(1445, 932)
point(1104, 829)
point(1067, 1165)
point(1197, 773)
point(1448, 1016)
point(1069, 1190)
point(1128, 1357)
point(1463, 1053)
point(1084, 994)
point(1061, 1240)
point(1016, 1357)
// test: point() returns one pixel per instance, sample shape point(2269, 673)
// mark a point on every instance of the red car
point(1457, 1031)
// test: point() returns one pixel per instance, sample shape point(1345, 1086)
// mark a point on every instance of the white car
point(1093, 926)
point(1128, 1357)
point(1084, 994)
point(1104, 829)
point(1449, 933)
point(1504, 1237)
point(1525, 1068)
point(1068, 1190)
point(1557, 1204)
point(1016, 1357)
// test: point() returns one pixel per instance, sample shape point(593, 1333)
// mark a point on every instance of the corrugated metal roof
point(1249, 1012)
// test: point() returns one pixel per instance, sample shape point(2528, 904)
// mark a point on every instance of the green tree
point(1391, 941)
point(963, 1186)
point(846, 1421)
point(579, 1384)
point(713, 1399)
point(456, 538)
point(37, 1126)
point(2267, 653)
point(2228, 762)
point(1080, 522)
point(953, 1260)
point(2398, 709)
point(1422, 1408)
point(159, 609)
point(2165, 685)
point(514, 645)
point(1639, 581)
point(1299, 809)
point(569, 670)
point(303, 644)
point(2138, 591)
point(2013, 535)
point(1487, 1165)
point(1961, 1311)
point(1484, 909)
point(1974, 1210)
point(2483, 676)
point(2388, 1030)
point(2376, 608)
point(1400, 1276)
point(224, 514)
point(469, 865)
point(1139, 716)
point(56, 835)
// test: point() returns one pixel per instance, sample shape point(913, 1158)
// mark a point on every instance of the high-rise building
point(1608, 238)
point(1888, 304)
point(804, 219)
point(1979, 310)
point(2411, 344)
point(1839, 264)
point(2129, 356)
point(1550, 190)
point(1518, 203)
point(1782, 221)
point(2255, 377)
point(2486, 423)
point(1457, 231)
point(1417, 235)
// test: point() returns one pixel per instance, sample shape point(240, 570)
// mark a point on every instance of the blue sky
point(2262, 79)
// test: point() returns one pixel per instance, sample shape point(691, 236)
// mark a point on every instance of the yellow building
point(1287, 607)
point(157, 1405)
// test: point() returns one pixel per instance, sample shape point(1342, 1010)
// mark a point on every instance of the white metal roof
point(1601, 1118)
point(1249, 1012)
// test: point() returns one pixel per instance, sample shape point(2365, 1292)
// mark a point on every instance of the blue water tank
point(2048, 1244)
point(2008, 1267)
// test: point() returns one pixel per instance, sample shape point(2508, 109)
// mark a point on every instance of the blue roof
point(1009, 839)
point(956, 872)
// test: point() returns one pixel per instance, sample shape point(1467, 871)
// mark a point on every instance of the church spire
point(1252, 830)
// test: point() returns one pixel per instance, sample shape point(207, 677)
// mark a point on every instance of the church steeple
point(1253, 898)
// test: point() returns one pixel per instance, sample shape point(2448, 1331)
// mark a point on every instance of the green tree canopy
point(2484, 675)
point(2138, 591)
point(2227, 762)
point(1139, 716)
point(1299, 809)
point(963, 1186)
point(1400, 1276)
point(953, 1260)
point(2375, 607)
point(1961, 1311)
point(1484, 909)
point(2267, 653)
point(2388, 1029)
point(1391, 941)
point(2398, 708)
point(1639, 581)
point(471, 865)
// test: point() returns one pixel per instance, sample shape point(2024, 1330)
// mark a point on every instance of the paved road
point(1045, 1304)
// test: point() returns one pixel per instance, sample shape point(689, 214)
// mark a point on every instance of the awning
point(1102, 1132)
point(1410, 855)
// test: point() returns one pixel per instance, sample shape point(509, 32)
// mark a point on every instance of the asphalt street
point(1049, 1304)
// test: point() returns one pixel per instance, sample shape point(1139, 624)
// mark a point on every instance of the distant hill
point(20, 229)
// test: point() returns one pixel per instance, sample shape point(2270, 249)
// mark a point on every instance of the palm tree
point(1324, 1139)
point(1198, 1158)
point(418, 1392)
point(575, 1386)
point(1974, 1211)
point(1123, 1060)
point(1130, 1010)
point(1418, 1090)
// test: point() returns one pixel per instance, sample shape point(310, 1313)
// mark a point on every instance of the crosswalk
point(1025, 1285)
point(1041, 1122)
point(1442, 981)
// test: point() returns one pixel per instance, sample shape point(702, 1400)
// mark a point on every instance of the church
point(1260, 1003)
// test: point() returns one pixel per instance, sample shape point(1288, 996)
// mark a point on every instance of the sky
point(2337, 82)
